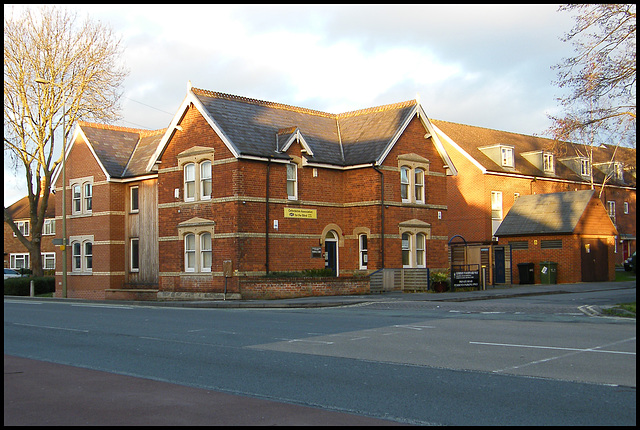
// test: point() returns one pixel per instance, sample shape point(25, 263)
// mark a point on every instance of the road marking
point(311, 341)
point(414, 327)
point(51, 327)
point(559, 348)
point(103, 306)
point(574, 351)
point(22, 302)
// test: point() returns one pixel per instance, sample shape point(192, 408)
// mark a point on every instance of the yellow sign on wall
point(300, 213)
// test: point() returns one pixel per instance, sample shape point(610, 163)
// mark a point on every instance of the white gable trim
point(459, 149)
point(297, 136)
point(439, 146)
point(395, 138)
point(190, 98)
point(78, 133)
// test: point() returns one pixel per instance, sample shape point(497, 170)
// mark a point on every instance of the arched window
point(419, 185)
point(420, 250)
point(77, 201)
point(362, 240)
point(205, 180)
point(205, 252)
point(406, 250)
point(76, 256)
point(404, 183)
point(88, 256)
point(88, 193)
point(189, 181)
point(190, 252)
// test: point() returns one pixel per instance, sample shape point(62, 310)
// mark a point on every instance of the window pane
point(404, 183)
point(88, 255)
point(205, 179)
point(189, 180)
point(87, 196)
point(205, 248)
point(135, 254)
point(134, 198)
point(419, 184)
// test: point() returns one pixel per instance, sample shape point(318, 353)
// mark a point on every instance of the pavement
point(43, 393)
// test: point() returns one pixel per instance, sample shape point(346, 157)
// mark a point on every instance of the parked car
point(11, 273)
point(630, 263)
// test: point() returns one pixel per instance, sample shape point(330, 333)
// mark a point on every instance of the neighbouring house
point(496, 168)
point(236, 188)
point(16, 256)
point(572, 230)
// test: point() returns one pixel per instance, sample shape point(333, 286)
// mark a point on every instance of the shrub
point(22, 286)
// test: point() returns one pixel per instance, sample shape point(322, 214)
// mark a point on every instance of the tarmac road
point(43, 393)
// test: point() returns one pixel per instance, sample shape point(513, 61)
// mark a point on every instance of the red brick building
point(570, 229)
point(238, 187)
point(16, 255)
point(495, 168)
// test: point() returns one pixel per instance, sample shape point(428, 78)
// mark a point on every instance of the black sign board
point(465, 276)
point(316, 252)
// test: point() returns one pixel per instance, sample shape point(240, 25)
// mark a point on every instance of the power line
point(149, 106)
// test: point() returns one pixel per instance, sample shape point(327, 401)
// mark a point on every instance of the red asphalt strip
point(43, 393)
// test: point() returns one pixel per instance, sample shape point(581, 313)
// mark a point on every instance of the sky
point(481, 65)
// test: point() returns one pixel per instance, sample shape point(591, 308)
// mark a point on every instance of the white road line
point(558, 348)
point(311, 341)
point(414, 327)
point(51, 327)
point(103, 306)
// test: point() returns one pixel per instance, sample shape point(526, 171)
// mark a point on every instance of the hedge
point(21, 286)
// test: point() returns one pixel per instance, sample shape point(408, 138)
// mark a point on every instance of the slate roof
point(471, 138)
point(553, 213)
point(124, 152)
point(351, 138)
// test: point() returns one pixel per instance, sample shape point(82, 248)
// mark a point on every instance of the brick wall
point(282, 288)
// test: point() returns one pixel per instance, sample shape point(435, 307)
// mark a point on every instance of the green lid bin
point(548, 272)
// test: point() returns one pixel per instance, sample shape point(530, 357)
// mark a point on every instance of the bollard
point(32, 289)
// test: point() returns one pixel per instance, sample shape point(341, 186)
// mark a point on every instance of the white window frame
point(419, 185)
point(585, 167)
point(405, 184)
point(626, 208)
point(406, 249)
point(81, 256)
point(496, 210)
point(421, 250)
point(292, 181)
point(189, 182)
point(205, 178)
point(48, 257)
point(363, 257)
point(87, 197)
point(189, 253)
point(506, 154)
point(49, 227)
point(547, 162)
point(14, 258)
point(611, 210)
point(23, 227)
point(205, 250)
point(134, 208)
point(76, 199)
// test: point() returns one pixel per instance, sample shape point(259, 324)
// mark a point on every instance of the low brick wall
point(286, 288)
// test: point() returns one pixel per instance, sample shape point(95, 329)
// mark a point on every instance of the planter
point(440, 286)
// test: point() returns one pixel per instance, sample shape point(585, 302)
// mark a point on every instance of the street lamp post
point(64, 188)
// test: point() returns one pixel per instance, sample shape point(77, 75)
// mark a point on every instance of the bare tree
point(600, 107)
point(80, 61)
point(601, 77)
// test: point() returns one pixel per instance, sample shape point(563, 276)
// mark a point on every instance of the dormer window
point(547, 163)
point(619, 171)
point(507, 156)
point(585, 167)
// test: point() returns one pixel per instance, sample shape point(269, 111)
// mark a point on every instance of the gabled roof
point(554, 213)
point(256, 128)
point(20, 209)
point(121, 152)
point(469, 139)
